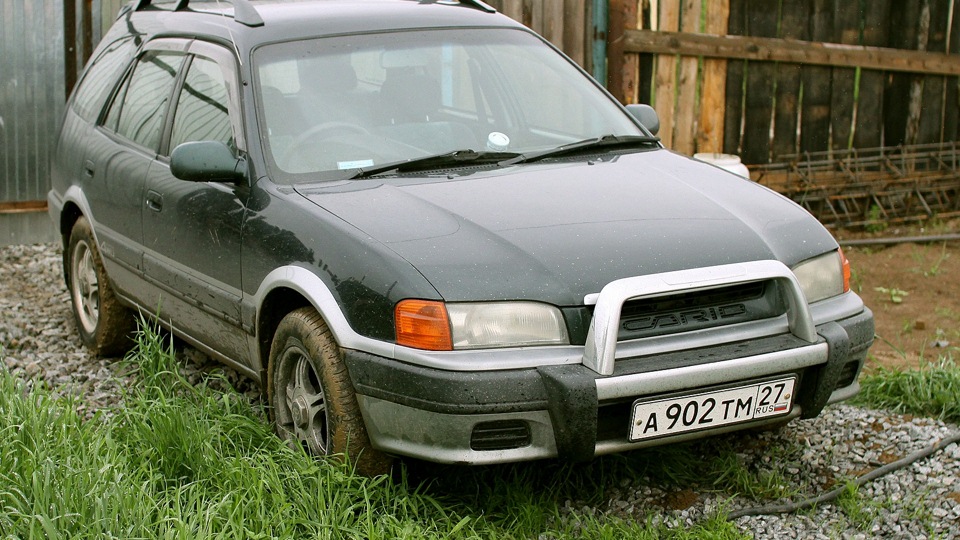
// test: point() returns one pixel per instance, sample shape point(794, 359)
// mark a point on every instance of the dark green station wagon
point(425, 232)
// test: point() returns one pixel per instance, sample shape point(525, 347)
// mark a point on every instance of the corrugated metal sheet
point(32, 94)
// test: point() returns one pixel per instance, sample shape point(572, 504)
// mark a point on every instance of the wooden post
point(665, 85)
point(713, 97)
point(684, 133)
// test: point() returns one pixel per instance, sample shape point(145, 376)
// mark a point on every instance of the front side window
point(139, 107)
point(202, 112)
point(331, 106)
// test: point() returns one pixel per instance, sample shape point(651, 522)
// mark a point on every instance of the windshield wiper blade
point(446, 159)
point(606, 141)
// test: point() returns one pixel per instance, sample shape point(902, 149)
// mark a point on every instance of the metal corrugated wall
point(32, 95)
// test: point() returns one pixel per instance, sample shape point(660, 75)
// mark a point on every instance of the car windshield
point(331, 107)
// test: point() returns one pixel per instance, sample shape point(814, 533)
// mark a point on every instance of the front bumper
point(571, 411)
point(578, 410)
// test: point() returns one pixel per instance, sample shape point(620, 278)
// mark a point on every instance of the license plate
point(660, 418)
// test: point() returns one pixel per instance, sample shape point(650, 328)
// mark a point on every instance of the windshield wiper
point(447, 159)
point(606, 141)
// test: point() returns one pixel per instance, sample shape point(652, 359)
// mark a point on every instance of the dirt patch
point(914, 292)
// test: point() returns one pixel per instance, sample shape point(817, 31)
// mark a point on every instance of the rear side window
point(139, 107)
point(100, 78)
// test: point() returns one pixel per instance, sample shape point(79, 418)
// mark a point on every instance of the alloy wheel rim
point(86, 287)
point(302, 405)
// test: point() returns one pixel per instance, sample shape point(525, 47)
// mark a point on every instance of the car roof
point(298, 19)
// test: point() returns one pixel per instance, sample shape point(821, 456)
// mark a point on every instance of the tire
point(312, 400)
point(104, 324)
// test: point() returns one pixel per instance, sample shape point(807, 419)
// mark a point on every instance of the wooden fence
point(769, 78)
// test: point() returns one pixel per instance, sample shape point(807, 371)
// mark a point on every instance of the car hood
point(558, 231)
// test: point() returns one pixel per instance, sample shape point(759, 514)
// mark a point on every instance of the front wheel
point(105, 325)
point(312, 400)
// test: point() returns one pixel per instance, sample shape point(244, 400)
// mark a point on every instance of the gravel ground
point(39, 342)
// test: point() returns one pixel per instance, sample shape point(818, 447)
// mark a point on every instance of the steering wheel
point(318, 133)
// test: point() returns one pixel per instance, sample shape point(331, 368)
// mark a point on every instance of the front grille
point(699, 310)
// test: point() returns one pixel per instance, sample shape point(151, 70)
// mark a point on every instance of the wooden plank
point(553, 22)
point(513, 9)
point(714, 89)
point(575, 30)
point(23, 207)
point(646, 19)
point(615, 53)
point(630, 77)
point(684, 133)
point(793, 19)
point(816, 83)
point(896, 94)
point(868, 132)
point(951, 111)
point(788, 50)
point(916, 82)
point(733, 120)
point(846, 24)
point(931, 109)
point(762, 21)
point(666, 72)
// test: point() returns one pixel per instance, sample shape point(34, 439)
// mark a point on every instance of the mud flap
point(821, 382)
point(572, 404)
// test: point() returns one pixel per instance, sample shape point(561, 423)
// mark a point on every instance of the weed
point(931, 390)
point(861, 513)
point(896, 295)
point(875, 222)
point(937, 265)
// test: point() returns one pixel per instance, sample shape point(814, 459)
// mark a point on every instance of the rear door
point(119, 154)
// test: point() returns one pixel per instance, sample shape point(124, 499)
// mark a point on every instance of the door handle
point(154, 201)
point(89, 168)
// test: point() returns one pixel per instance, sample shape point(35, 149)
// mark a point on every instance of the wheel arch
point(289, 288)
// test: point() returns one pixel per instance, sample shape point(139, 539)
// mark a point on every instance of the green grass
point(931, 390)
point(184, 461)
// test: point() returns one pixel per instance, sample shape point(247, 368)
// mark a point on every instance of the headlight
point(507, 324)
point(824, 276)
point(437, 326)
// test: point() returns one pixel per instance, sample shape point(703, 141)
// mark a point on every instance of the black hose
point(831, 495)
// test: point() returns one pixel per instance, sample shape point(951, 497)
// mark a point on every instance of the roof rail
point(480, 5)
point(243, 11)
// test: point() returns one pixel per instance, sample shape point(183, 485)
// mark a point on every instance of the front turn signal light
point(846, 271)
point(423, 324)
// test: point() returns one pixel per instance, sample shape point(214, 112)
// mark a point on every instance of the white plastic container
point(728, 162)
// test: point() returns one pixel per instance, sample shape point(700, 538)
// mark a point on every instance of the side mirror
point(646, 116)
point(206, 161)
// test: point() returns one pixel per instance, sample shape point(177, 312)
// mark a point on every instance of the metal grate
point(875, 187)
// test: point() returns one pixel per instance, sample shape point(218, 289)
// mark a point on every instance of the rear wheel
point(312, 400)
point(105, 325)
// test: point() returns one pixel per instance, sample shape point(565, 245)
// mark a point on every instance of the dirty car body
point(425, 231)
